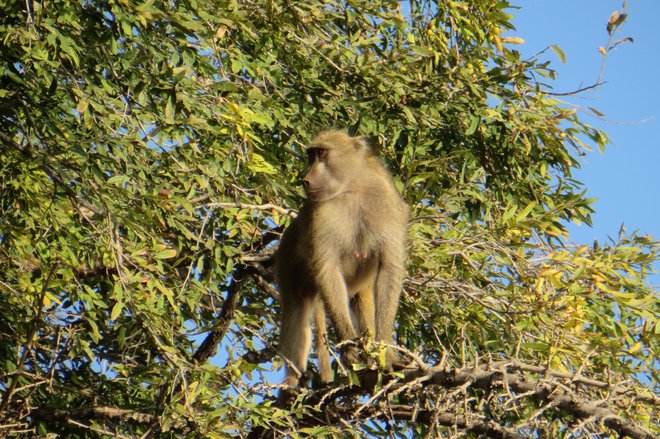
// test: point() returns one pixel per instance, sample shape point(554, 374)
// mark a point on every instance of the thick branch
point(496, 376)
point(210, 343)
point(59, 414)
point(447, 419)
point(243, 271)
point(269, 206)
point(541, 391)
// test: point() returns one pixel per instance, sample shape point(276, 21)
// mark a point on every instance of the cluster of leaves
point(148, 159)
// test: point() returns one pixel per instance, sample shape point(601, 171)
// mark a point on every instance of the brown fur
point(344, 253)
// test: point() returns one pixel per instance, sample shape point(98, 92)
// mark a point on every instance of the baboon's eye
point(319, 154)
point(311, 156)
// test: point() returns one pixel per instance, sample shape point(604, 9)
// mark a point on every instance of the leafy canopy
point(149, 157)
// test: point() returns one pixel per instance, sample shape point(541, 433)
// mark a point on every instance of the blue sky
point(626, 178)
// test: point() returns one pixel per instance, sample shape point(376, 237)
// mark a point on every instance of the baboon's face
point(332, 164)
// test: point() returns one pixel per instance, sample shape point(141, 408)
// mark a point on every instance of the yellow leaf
point(82, 106)
point(259, 165)
point(513, 40)
point(221, 32)
point(613, 17)
point(498, 43)
point(636, 347)
point(233, 107)
point(49, 299)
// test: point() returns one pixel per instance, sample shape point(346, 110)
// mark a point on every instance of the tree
point(149, 153)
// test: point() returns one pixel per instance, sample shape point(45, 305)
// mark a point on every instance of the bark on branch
point(551, 389)
point(59, 414)
point(544, 392)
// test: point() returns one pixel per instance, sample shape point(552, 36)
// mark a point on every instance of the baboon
point(343, 255)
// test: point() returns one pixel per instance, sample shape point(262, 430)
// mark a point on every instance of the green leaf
point(165, 254)
point(118, 180)
point(536, 346)
point(423, 51)
point(116, 310)
point(170, 106)
point(559, 52)
point(474, 123)
point(526, 211)
point(262, 119)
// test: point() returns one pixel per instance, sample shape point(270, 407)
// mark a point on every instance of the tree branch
point(52, 414)
point(540, 391)
point(337, 400)
point(479, 426)
point(269, 206)
point(210, 343)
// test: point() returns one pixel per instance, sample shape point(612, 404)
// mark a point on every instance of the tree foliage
point(149, 159)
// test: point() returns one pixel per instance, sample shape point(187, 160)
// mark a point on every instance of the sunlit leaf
point(559, 52)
